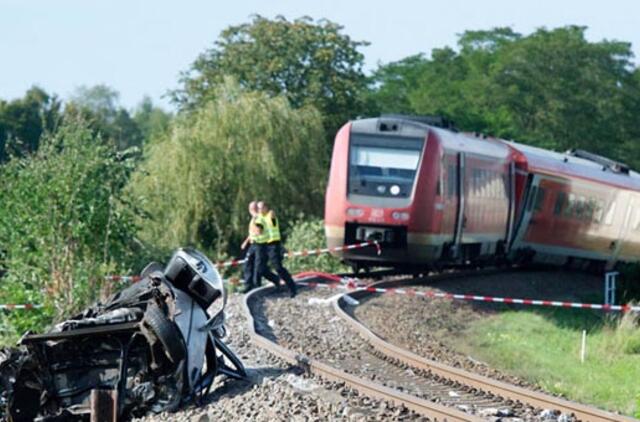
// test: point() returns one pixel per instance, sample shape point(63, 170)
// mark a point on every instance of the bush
point(65, 224)
point(309, 234)
point(623, 334)
point(197, 180)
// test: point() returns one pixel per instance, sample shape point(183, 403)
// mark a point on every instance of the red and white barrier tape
point(302, 253)
point(11, 307)
point(309, 252)
point(351, 285)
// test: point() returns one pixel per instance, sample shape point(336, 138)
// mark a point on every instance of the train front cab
point(427, 194)
point(378, 184)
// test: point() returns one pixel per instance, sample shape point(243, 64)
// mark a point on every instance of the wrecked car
point(157, 344)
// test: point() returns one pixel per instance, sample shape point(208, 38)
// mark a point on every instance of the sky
point(140, 47)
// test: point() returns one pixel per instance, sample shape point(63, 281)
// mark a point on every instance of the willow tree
point(198, 178)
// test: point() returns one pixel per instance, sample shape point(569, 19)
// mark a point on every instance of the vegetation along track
point(456, 375)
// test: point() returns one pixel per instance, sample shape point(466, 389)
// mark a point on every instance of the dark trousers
point(262, 266)
point(249, 268)
point(275, 251)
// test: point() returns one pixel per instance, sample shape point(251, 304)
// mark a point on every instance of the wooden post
point(104, 405)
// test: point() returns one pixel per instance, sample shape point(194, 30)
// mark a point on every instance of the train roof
point(583, 165)
point(420, 126)
point(568, 164)
point(468, 143)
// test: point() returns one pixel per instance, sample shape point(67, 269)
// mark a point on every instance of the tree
point(552, 88)
point(393, 82)
point(197, 179)
point(65, 223)
point(23, 121)
point(99, 104)
point(151, 120)
point(311, 63)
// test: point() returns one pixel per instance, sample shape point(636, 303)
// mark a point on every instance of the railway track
point(459, 376)
point(258, 332)
point(468, 390)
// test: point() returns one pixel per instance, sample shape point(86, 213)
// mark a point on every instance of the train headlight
point(398, 215)
point(355, 212)
point(394, 190)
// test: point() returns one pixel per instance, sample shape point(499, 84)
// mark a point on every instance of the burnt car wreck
point(157, 343)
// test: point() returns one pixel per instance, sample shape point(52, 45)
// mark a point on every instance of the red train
point(432, 195)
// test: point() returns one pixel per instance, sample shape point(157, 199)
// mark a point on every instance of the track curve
point(364, 386)
point(508, 391)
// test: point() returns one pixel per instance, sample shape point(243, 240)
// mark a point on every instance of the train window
point(539, 203)
point(598, 211)
point(491, 187)
point(589, 209)
point(502, 185)
point(611, 210)
point(381, 167)
point(452, 181)
point(578, 208)
point(532, 196)
point(475, 182)
point(570, 207)
point(561, 199)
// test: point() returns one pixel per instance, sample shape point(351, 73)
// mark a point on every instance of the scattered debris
point(325, 301)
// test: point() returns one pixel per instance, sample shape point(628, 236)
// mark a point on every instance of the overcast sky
point(139, 47)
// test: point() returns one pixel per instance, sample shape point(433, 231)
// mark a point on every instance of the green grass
point(544, 348)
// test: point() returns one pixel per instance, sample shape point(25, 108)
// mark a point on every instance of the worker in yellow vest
point(256, 232)
point(260, 243)
point(273, 251)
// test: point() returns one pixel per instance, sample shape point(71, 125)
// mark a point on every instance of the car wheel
point(167, 333)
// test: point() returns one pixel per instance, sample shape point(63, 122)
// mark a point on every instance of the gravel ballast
point(277, 391)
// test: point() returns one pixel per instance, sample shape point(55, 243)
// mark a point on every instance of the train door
point(525, 220)
point(511, 213)
point(625, 230)
point(460, 212)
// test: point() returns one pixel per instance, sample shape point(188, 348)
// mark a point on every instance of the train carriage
point(431, 195)
point(578, 208)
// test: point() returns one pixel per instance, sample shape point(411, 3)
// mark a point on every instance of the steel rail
point(421, 406)
point(533, 398)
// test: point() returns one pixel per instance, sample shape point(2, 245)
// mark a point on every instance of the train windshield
point(383, 165)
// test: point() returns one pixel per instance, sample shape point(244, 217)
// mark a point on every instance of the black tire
point(167, 333)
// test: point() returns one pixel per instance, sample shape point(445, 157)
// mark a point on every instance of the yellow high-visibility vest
point(253, 229)
point(272, 226)
point(260, 236)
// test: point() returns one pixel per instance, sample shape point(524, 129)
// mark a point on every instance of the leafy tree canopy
point(552, 88)
point(99, 104)
point(24, 120)
point(310, 62)
point(151, 120)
